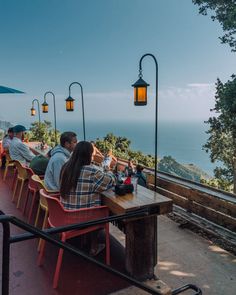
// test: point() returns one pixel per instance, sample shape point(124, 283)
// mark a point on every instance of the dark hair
point(10, 130)
point(67, 137)
point(82, 155)
point(139, 168)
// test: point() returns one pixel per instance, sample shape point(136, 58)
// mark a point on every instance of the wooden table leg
point(141, 247)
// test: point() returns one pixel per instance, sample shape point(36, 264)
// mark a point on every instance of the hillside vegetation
point(121, 148)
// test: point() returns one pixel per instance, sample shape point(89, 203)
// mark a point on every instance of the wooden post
point(141, 247)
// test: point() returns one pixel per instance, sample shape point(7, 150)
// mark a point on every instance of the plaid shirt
point(90, 184)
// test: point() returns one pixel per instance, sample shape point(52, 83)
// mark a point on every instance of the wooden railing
point(207, 202)
point(212, 204)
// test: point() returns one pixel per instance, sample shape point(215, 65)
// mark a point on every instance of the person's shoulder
point(95, 169)
point(58, 155)
point(14, 139)
point(17, 142)
point(91, 167)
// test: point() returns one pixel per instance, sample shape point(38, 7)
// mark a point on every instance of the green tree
point(121, 149)
point(218, 183)
point(222, 140)
point(122, 144)
point(42, 133)
point(225, 14)
point(110, 138)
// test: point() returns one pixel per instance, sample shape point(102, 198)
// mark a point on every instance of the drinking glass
point(134, 181)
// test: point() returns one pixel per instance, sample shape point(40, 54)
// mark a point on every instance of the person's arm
point(98, 153)
point(25, 152)
point(5, 143)
point(113, 161)
point(103, 181)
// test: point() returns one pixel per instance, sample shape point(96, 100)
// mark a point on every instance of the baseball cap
point(19, 128)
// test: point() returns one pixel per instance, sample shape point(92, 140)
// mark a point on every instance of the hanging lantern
point(70, 104)
point(140, 92)
point(45, 107)
point(33, 111)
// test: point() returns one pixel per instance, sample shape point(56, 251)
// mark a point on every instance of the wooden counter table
point(141, 233)
point(35, 148)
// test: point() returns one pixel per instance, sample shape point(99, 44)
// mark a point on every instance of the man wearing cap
point(17, 149)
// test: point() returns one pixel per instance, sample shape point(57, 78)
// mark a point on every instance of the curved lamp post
point(140, 99)
point(33, 111)
point(45, 110)
point(70, 103)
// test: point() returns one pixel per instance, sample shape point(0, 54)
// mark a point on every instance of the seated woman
point(81, 183)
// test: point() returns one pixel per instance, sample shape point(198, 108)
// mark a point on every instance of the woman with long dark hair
point(81, 185)
point(81, 182)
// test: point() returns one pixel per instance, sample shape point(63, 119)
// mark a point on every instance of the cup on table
point(134, 181)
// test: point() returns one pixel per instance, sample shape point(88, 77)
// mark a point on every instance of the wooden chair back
point(21, 170)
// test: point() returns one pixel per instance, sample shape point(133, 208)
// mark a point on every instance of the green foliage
point(43, 133)
point(218, 183)
point(225, 14)
point(121, 149)
point(222, 140)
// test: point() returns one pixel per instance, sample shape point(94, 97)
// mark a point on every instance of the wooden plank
point(143, 198)
point(214, 216)
point(202, 198)
point(213, 202)
point(231, 197)
point(174, 187)
point(178, 200)
point(207, 206)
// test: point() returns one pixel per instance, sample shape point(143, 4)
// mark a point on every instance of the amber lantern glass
point(140, 92)
point(70, 104)
point(45, 107)
point(33, 111)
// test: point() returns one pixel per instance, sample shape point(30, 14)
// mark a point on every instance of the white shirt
point(19, 151)
point(6, 142)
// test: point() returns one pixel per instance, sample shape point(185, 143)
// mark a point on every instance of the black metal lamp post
point(140, 99)
point(33, 111)
point(70, 103)
point(45, 110)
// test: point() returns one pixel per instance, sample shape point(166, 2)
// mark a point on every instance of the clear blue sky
point(47, 44)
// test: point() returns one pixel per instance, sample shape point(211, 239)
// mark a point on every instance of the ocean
point(181, 140)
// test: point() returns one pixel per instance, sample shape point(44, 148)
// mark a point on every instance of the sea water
point(181, 140)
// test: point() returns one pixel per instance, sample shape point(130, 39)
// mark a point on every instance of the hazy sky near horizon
point(47, 44)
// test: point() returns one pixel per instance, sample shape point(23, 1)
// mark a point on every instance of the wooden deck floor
point(77, 275)
point(184, 257)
